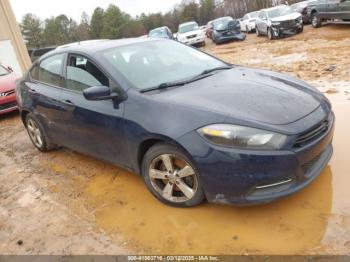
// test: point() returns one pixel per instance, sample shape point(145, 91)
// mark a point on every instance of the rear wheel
point(171, 176)
point(316, 20)
point(37, 135)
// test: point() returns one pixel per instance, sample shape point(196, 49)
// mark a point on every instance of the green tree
point(114, 22)
point(32, 30)
point(83, 29)
point(96, 25)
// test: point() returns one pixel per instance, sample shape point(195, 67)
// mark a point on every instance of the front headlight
point(276, 23)
point(242, 137)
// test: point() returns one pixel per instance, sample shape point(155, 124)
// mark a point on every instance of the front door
point(92, 127)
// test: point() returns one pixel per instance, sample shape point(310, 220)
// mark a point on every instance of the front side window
point(50, 70)
point(82, 73)
point(149, 64)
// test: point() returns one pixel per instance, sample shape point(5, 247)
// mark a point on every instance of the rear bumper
point(8, 104)
point(246, 177)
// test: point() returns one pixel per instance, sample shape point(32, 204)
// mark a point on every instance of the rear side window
point(49, 70)
point(82, 73)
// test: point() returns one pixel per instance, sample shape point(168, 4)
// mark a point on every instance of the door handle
point(68, 102)
point(32, 91)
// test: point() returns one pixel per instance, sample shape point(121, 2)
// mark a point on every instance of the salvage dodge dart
point(193, 126)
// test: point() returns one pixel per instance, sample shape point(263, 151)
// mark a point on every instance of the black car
point(332, 11)
point(278, 21)
point(226, 29)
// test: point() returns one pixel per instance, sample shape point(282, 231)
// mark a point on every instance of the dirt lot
point(67, 203)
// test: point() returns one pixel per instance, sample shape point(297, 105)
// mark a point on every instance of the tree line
point(113, 23)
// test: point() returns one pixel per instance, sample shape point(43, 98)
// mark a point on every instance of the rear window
point(49, 70)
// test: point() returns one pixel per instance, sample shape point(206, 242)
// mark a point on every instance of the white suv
point(248, 22)
point(190, 34)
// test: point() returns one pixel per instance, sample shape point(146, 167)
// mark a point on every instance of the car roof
point(275, 7)
point(224, 17)
point(188, 23)
point(94, 46)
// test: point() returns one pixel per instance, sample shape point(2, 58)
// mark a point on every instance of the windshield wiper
point(216, 69)
point(174, 84)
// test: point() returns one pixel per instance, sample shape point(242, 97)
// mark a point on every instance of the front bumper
point(226, 38)
point(194, 41)
point(279, 31)
point(8, 104)
point(245, 177)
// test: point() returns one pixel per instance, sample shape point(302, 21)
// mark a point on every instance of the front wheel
point(270, 34)
point(257, 31)
point(172, 177)
point(316, 20)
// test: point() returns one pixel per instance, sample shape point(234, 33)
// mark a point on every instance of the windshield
point(188, 28)
point(3, 71)
point(159, 32)
point(253, 15)
point(149, 64)
point(221, 23)
point(281, 11)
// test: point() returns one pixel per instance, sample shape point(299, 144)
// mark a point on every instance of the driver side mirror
point(98, 93)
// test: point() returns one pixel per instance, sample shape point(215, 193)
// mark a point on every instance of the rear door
point(343, 9)
point(43, 90)
point(92, 127)
point(331, 9)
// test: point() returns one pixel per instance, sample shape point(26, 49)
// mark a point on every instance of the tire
point(37, 135)
point(257, 31)
point(164, 180)
point(301, 30)
point(270, 35)
point(316, 20)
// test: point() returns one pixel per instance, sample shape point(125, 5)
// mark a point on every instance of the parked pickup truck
point(332, 11)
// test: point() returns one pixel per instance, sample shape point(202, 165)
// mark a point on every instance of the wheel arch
point(24, 114)
point(149, 142)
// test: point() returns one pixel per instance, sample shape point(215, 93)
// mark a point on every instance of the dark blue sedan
point(193, 126)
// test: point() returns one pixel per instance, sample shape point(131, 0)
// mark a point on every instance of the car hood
point(248, 94)
point(291, 16)
point(7, 82)
point(194, 32)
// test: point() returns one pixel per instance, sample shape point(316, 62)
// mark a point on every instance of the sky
point(74, 8)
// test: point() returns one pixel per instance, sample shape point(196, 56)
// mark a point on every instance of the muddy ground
point(67, 203)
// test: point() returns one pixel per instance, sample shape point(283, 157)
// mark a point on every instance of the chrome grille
point(4, 94)
point(191, 36)
point(311, 135)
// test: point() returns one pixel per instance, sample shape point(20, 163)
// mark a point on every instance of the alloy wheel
point(173, 178)
point(35, 133)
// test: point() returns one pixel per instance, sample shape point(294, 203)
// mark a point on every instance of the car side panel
point(93, 127)
point(343, 10)
point(41, 100)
